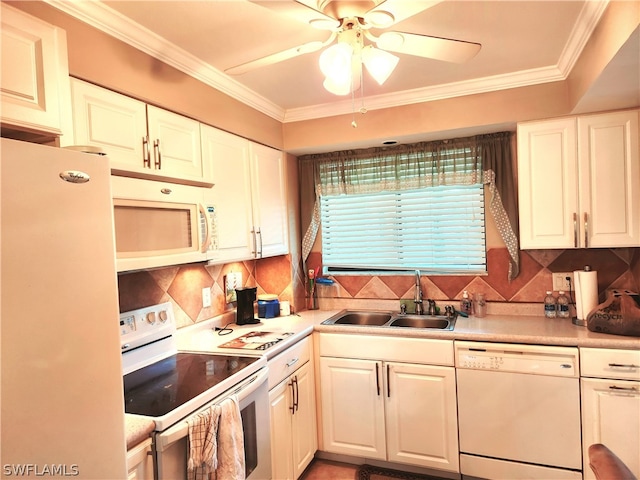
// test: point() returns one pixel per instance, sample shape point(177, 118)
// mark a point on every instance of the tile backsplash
point(617, 268)
point(182, 285)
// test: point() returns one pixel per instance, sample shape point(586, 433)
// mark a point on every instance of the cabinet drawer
point(610, 363)
point(392, 349)
point(284, 364)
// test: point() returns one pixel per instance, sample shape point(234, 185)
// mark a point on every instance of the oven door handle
point(243, 390)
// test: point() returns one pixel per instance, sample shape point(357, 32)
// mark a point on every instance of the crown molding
point(111, 22)
point(429, 94)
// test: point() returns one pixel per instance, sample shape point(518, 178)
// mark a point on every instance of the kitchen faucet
point(417, 298)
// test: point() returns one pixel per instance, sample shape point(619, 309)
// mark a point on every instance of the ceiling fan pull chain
point(353, 104)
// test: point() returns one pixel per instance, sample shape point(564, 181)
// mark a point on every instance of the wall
point(96, 57)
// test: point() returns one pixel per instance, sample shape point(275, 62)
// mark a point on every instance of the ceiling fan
point(350, 22)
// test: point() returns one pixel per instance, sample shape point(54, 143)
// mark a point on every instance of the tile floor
point(327, 470)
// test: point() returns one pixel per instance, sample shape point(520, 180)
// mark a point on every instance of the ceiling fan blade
point(389, 12)
point(445, 49)
point(302, 11)
point(277, 57)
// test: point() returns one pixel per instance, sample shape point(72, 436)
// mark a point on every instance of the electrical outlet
point(206, 297)
point(560, 281)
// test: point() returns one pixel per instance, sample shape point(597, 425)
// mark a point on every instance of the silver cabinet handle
point(259, 233)
point(292, 362)
point(586, 230)
point(293, 398)
point(388, 381)
point(624, 365)
point(157, 155)
point(624, 389)
point(255, 243)
point(146, 153)
point(575, 230)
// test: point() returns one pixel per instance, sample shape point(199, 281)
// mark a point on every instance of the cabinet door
point(547, 184)
point(611, 416)
point(35, 73)
point(421, 415)
point(139, 462)
point(304, 433)
point(116, 123)
point(280, 401)
point(352, 407)
point(228, 156)
point(609, 179)
point(175, 144)
point(269, 201)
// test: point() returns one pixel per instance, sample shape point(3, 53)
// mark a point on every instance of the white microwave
point(159, 224)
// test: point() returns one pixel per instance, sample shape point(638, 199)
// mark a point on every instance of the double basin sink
point(390, 319)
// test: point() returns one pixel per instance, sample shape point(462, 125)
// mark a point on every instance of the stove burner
point(256, 340)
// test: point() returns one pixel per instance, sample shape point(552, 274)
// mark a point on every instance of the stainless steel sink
point(371, 318)
point(365, 318)
point(423, 321)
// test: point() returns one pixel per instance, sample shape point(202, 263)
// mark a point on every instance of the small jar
point(479, 305)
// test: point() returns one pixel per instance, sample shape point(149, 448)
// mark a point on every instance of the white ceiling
point(523, 43)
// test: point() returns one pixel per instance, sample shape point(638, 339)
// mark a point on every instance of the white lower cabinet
point(400, 411)
point(139, 462)
point(293, 412)
point(611, 404)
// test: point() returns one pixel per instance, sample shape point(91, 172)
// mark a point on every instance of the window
point(438, 230)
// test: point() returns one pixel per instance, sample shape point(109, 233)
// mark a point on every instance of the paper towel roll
point(586, 285)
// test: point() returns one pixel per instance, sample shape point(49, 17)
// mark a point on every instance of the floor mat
point(369, 472)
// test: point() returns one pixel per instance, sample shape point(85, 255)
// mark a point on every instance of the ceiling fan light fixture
point(337, 86)
point(379, 64)
point(335, 62)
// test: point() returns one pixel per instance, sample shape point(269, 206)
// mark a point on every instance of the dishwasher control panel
point(530, 359)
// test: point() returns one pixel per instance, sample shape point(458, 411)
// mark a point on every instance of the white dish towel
point(203, 431)
point(230, 442)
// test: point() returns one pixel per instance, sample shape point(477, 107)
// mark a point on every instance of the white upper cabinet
point(141, 140)
point(249, 197)
point(35, 74)
point(269, 200)
point(230, 198)
point(579, 182)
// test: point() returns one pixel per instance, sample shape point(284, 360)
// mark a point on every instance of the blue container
point(268, 308)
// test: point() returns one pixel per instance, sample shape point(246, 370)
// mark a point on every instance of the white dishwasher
point(518, 411)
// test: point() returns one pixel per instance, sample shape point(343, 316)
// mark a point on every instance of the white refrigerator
point(61, 397)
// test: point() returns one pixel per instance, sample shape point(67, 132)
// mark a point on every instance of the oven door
point(171, 447)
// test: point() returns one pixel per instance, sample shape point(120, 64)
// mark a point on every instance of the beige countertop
point(137, 429)
point(527, 329)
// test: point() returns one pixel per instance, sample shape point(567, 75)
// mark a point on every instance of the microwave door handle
point(206, 242)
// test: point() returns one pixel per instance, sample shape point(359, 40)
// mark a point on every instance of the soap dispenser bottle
point(465, 303)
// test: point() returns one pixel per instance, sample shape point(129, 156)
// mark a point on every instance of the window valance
point(464, 161)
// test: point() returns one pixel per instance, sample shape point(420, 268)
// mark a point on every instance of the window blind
point(439, 229)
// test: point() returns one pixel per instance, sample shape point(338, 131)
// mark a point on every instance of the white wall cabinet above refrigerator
point(579, 181)
point(141, 140)
point(35, 74)
point(249, 197)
